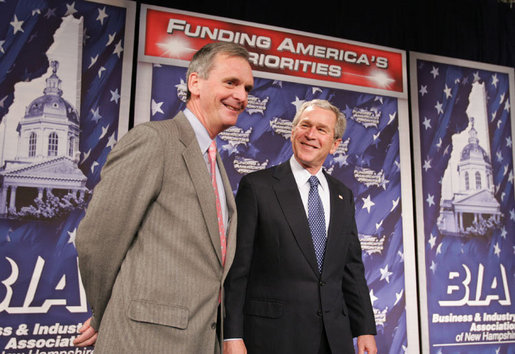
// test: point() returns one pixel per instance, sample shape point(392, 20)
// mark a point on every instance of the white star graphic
point(93, 61)
point(447, 91)
point(427, 123)
point(432, 240)
point(394, 204)
point(96, 114)
point(297, 103)
point(115, 96)
point(423, 90)
point(385, 274)
point(367, 203)
point(433, 267)
point(104, 131)
point(430, 200)
point(499, 156)
point(110, 38)
point(156, 107)
point(495, 80)
point(398, 297)
point(373, 298)
point(434, 72)
point(100, 71)
point(85, 155)
point(102, 15)
point(118, 48)
point(93, 166)
point(16, 25)
point(427, 165)
point(401, 256)
point(497, 250)
point(72, 235)
point(391, 117)
point(111, 142)
point(438, 107)
point(70, 9)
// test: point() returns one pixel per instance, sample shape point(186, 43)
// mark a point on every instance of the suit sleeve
point(355, 288)
point(236, 282)
point(130, 180)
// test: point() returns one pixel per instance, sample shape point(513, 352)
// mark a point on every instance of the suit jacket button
point(322, 283)
point(213, 325)
point(319, 313)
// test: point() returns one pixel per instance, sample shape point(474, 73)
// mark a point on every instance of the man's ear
point(335, 146)
point(193, 83)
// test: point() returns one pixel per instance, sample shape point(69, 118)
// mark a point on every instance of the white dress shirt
point(204, 140)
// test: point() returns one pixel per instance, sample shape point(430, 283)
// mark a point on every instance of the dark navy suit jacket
point(276, 299)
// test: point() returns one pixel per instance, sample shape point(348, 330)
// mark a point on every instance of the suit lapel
point(200, 178)
point(338, 214)
point(291, 204)
point(231, 211)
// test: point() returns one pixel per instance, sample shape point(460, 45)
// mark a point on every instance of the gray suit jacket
point(149, 248)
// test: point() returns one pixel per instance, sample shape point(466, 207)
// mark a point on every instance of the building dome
point(473, 150)
point(52, 104)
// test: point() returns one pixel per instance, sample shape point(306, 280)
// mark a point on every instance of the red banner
point(177, 35)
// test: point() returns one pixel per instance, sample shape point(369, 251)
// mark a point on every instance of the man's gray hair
point(341, 122)
point(202, 61)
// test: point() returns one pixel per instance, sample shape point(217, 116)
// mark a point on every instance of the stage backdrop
point(65, 70)
point(463, 135)
point(368, 83)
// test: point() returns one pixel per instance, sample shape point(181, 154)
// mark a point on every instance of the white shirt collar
point(302, 175)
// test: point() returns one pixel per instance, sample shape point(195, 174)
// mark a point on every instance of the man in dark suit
point(297, 282)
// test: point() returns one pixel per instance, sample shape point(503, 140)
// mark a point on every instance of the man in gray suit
point(158, 237)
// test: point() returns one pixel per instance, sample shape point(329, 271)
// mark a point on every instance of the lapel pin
point(340, 196)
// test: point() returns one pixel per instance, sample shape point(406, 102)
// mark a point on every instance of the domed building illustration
point(473, 209)
point(46, 162)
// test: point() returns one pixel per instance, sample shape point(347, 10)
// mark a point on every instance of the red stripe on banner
point(178, 36)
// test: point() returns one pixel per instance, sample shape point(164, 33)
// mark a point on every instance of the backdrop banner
point(373, 159)
point(463, 133)
point(64, 80)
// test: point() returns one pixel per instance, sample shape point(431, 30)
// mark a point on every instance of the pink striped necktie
point(221, 228)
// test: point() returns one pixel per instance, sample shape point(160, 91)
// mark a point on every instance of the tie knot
point(313, 181)
point(212, 150)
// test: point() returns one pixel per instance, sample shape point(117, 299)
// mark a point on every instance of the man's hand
point(236, 346)
point(367, 344)
point(88, 335)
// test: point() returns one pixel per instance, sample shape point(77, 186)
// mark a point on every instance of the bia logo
point(58, 293)
point(496, 289)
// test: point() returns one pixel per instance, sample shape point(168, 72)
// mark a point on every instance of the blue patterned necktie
point(316, 219)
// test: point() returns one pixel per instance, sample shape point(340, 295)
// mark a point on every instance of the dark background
point(478, 30)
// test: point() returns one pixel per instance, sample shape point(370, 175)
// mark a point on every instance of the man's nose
point(311, 133)
point(240, 93)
